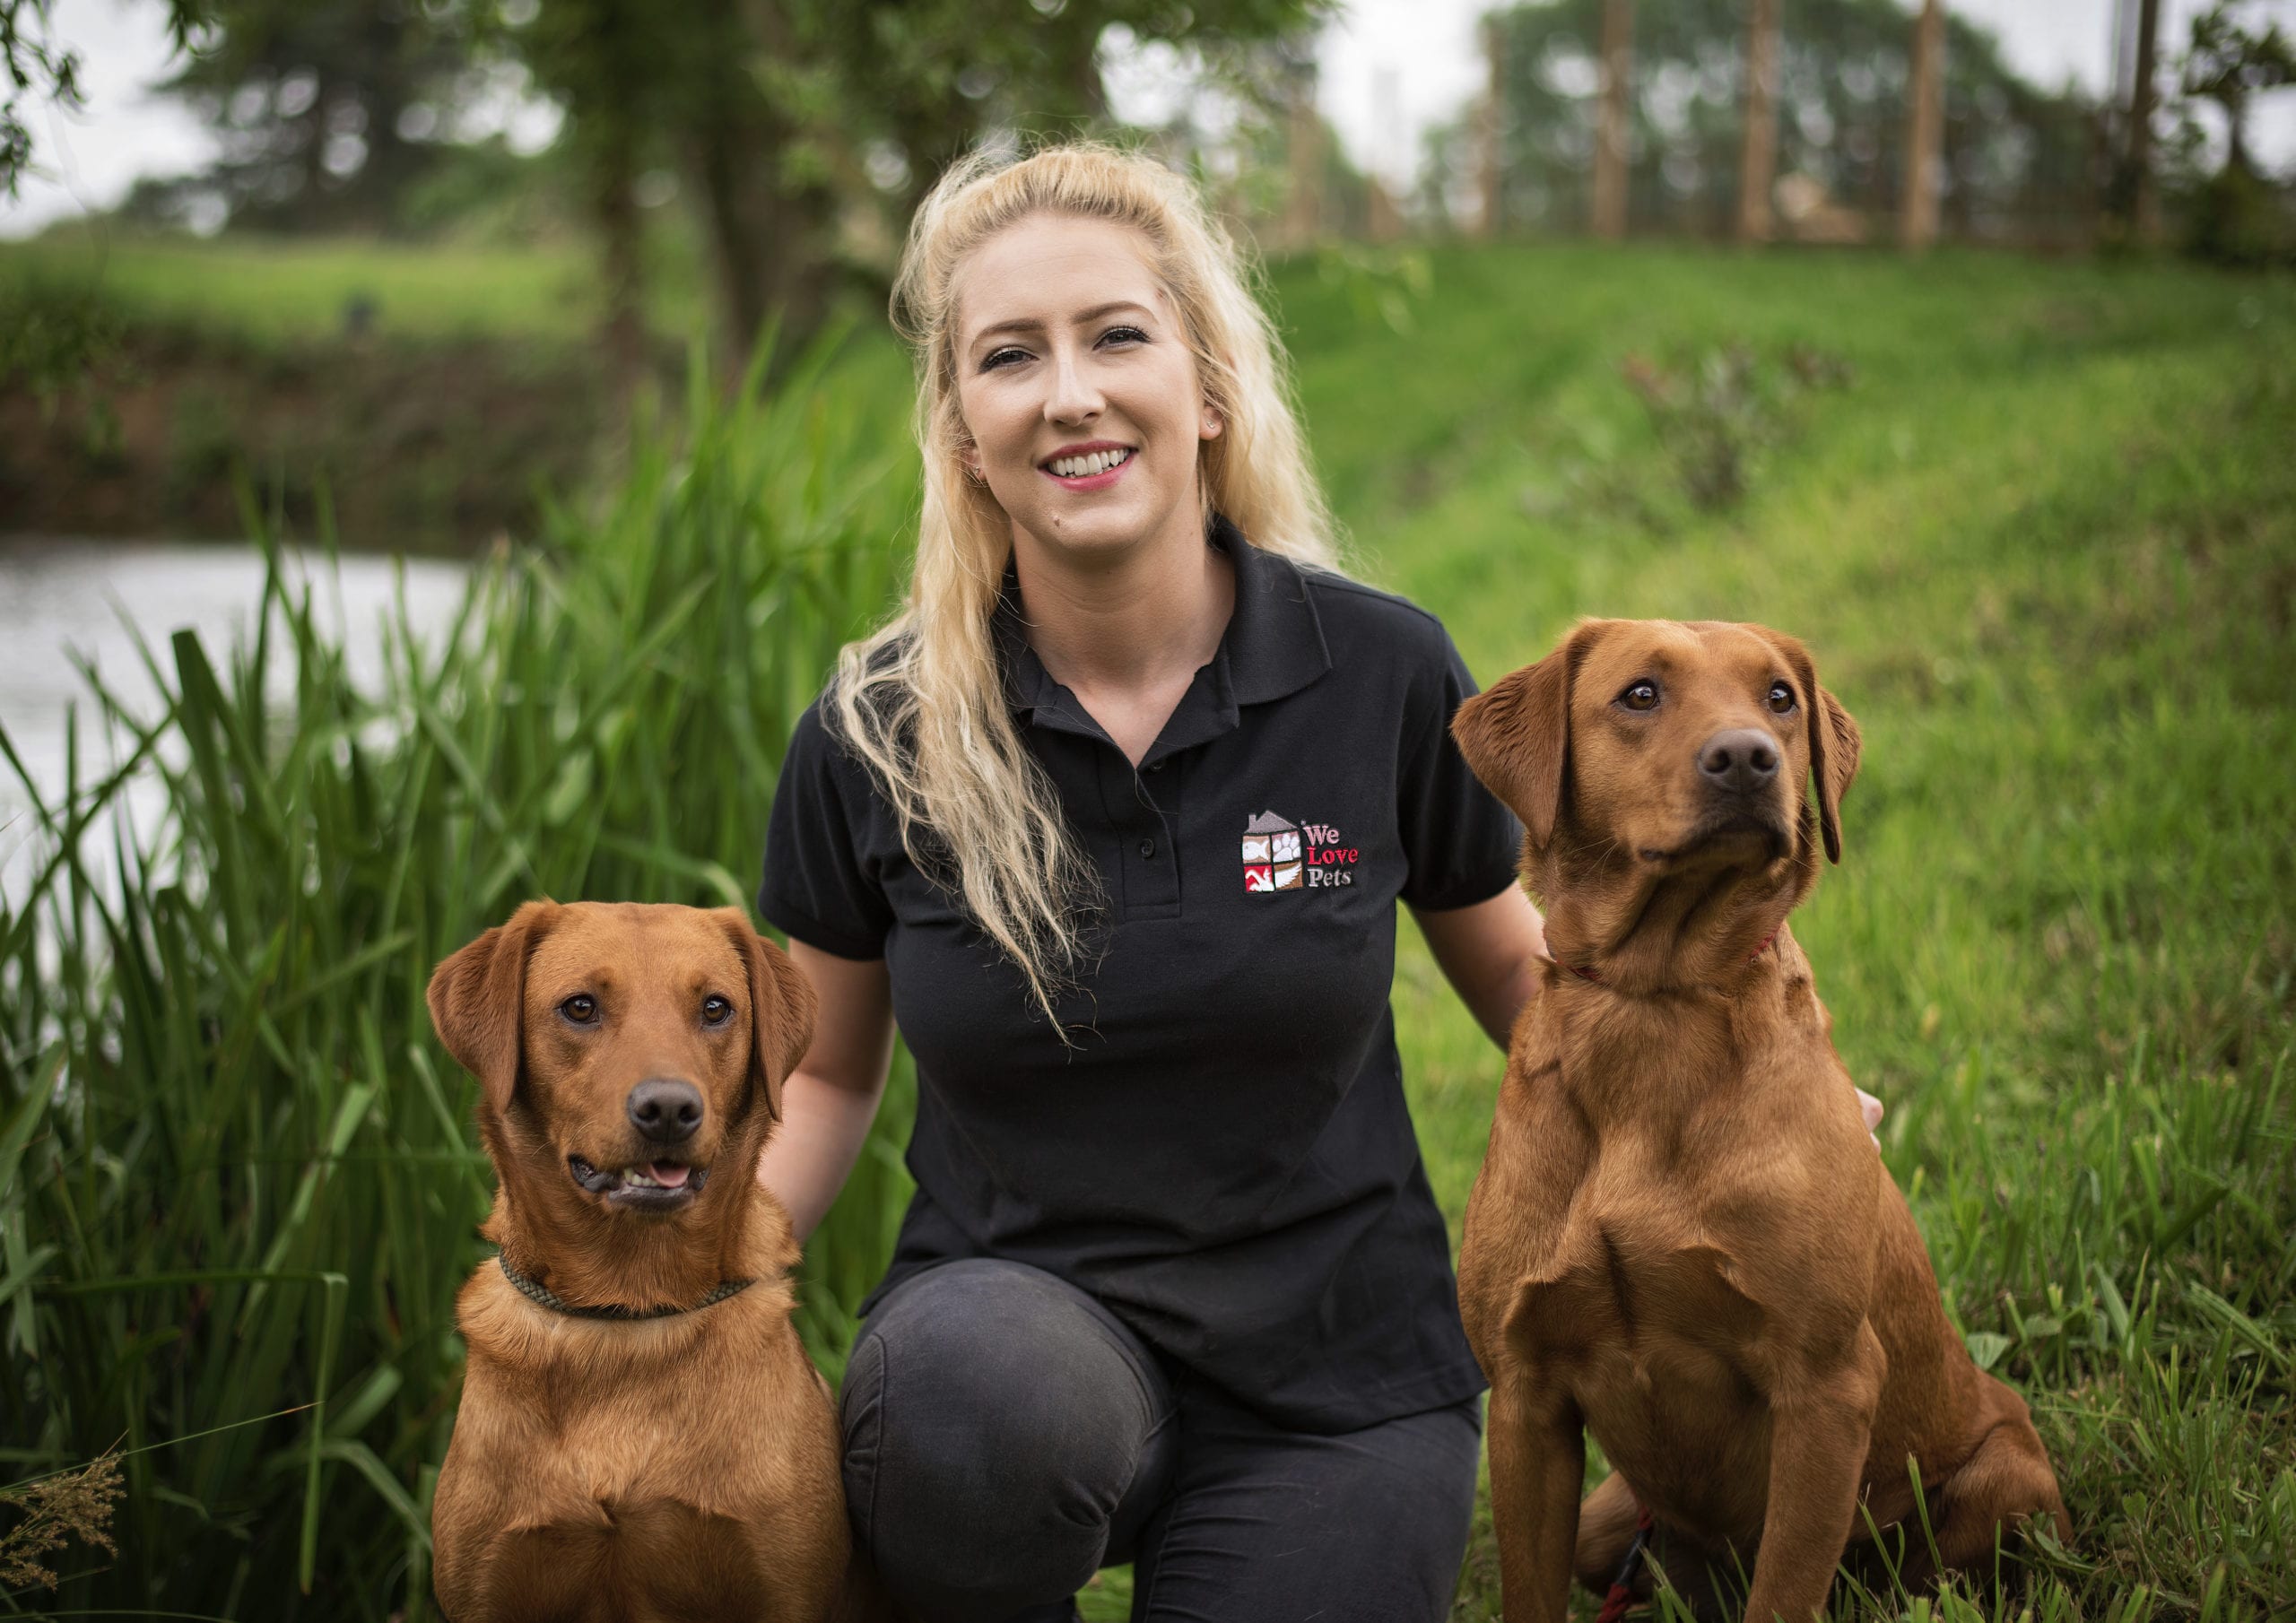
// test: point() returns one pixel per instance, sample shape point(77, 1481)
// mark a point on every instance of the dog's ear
point(1516, 734)
point(1834, 740)
point(477, 999)
point(782, 1005)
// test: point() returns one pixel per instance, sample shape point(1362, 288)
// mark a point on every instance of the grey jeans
point(1006, 1436)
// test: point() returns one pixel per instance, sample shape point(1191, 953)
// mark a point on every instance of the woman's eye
point(1124, 335)
point(1000, 357)
point(716, 1010)
point(582, 1009)
point(1641, 696)
point(1781, 698)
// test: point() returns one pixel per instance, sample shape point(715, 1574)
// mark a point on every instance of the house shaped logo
point(1271, 854)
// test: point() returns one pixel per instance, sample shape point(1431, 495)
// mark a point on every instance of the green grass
point(270, 290)
point(2044, 546)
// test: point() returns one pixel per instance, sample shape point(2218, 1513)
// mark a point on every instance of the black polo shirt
point(1223, 1156)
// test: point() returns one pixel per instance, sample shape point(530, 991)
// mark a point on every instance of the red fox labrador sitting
point(641, 1436)
point(1683, 1239)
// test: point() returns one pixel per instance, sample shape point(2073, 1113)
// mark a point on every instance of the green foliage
point(238, 1180)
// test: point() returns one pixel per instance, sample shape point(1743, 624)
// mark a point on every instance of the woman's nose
point(1073, 397)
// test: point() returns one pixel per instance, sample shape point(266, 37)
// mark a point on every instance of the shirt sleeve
point(1461, 844)
point(821, 885)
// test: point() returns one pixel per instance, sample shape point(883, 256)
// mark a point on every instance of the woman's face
point(1078, 386)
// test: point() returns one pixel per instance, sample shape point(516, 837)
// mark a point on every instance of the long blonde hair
point(922, 700)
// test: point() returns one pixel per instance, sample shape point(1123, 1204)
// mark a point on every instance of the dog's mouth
point(1729, 840)
point(647, 1186)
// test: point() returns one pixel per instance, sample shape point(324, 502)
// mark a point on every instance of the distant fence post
point(1611, 124)
point(1926, 133)
point(1491, 162)
point(1758, 162)
point(1303, 208)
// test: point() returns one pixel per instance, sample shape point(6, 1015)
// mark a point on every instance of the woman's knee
point(995, 1418)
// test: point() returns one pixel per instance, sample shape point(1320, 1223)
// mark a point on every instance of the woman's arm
point(831, 1096)
point(1490, 953)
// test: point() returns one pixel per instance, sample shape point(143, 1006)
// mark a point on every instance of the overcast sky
point(1390, 69)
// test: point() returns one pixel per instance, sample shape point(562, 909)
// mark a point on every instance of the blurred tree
point(2018, 161)
point(2227, 63)
point(795, 121)
point(2237, 216)
point(36, 64)
point(800, 128)
point(314, 104)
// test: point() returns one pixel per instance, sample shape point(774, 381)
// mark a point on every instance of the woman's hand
point(831, 1096)
point(1490, 953)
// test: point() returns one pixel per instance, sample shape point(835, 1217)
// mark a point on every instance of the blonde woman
point(1111, 819)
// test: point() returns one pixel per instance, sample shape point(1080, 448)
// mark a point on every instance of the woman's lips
point(1091, 481)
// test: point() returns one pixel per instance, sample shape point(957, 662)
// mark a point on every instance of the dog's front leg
point(1538, 1463)
point(1822, 1421)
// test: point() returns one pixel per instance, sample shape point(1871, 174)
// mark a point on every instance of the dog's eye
point(716, 1010)
point(1781, 698)
point(582, 1009)
point(1641, 695)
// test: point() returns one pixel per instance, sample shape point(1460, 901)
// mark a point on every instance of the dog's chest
point(1629, 1275)
point(590, 1466)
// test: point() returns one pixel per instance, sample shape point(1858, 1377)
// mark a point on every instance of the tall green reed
point(238, 1183)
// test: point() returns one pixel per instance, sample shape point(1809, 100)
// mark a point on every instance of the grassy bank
point(2038, 523)
point(2044, 545)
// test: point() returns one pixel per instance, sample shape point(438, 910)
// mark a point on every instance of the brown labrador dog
point(641, 1435)
point(1682, 1238)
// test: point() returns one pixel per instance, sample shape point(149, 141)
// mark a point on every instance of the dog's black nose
point(665, 1112)
point(1742, 759)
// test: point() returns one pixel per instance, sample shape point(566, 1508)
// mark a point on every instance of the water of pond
point(94, 598)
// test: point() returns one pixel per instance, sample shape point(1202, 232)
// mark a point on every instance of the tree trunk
point(1611, 122)
point(770, 238)
point(2143, 96)
point(1758, 162)
point(621, 234)
point(1925, 132)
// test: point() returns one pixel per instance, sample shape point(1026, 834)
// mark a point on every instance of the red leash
point(1621, 1595)
point(1585, 974)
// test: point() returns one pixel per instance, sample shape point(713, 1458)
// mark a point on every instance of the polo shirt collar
point(1273, 646)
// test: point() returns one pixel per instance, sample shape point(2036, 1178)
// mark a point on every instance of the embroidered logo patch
point(1280, 854)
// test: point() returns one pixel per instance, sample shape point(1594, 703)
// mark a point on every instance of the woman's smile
point(1094, 466)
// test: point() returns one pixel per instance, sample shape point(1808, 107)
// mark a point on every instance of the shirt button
point(1147, 848)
